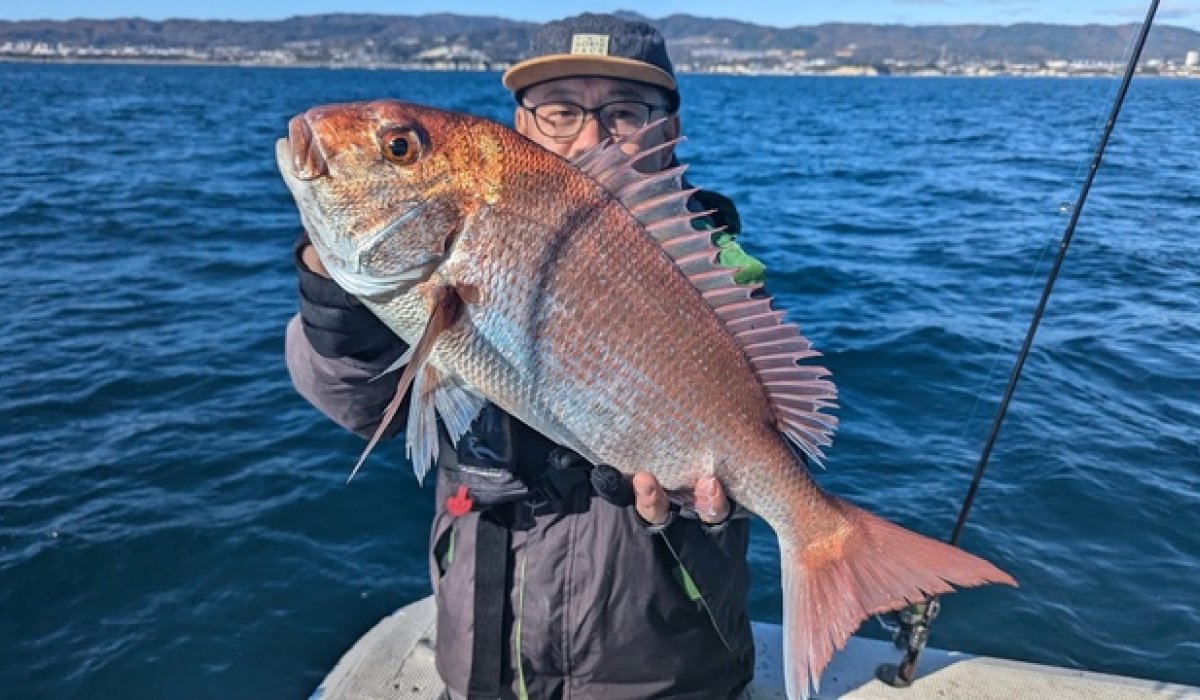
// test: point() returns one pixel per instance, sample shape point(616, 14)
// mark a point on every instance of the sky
point(777, 13)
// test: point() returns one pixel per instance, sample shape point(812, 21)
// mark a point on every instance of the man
point(554, 577)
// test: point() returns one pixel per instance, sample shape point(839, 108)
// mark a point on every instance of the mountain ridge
point(692, 39)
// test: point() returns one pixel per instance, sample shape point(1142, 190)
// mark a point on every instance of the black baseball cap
point(606, 46)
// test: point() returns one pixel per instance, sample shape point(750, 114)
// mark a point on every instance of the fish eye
point(402, 145)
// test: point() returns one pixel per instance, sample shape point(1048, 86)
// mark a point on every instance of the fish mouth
point(346, 259)
point(308, 159)
point(285, 160)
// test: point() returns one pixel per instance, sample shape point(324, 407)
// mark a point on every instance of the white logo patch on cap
point(589, 44)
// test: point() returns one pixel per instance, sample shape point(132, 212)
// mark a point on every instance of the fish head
point(383, 188)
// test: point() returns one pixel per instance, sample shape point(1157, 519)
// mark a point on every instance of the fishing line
point(1052, 277)
point(916, 619)
point(1092, 135)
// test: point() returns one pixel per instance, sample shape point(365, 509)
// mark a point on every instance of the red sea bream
point(580, 298)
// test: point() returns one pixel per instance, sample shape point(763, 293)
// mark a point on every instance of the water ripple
point(173, 519)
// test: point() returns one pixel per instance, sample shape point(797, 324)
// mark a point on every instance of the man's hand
point(309, 255)
point(712, 506)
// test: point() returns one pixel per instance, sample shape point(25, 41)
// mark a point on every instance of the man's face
point(591, 93)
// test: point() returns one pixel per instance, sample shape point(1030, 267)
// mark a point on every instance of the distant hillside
point(693, 39)
point(390, 37)
point(962, 42)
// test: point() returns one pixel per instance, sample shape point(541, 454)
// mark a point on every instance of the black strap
point(491, 565)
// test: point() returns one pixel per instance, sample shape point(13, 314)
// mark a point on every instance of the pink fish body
point(581, 299)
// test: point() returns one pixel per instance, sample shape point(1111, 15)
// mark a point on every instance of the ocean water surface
point(173, 517)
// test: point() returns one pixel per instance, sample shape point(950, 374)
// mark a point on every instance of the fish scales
point(636, 405)
point(555, 346)
point(522, 280)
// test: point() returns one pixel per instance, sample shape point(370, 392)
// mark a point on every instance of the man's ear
point(519, 117)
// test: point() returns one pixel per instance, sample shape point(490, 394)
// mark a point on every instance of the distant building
point(1192, 60)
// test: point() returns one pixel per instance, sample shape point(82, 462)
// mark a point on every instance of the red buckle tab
point(460, 503)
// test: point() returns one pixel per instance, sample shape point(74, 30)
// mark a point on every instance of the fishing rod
point(915, 620)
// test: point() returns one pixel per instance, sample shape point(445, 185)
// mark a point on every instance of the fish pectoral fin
point(400, 362)
point(445, 305)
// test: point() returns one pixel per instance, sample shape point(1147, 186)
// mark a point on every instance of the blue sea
point(174, 519)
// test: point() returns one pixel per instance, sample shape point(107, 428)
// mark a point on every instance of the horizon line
point(650, 19)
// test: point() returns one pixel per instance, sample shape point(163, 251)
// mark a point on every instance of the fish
point(580, 297)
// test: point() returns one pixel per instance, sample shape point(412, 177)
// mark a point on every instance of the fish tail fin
point(871, 566)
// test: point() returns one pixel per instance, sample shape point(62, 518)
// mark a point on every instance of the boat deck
point(394, 661)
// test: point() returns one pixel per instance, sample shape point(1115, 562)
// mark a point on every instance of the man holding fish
point(664, 599)
point(553, 318)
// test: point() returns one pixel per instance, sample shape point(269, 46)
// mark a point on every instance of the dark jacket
point(589, 602)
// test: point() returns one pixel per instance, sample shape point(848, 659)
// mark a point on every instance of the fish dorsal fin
point(799, 394)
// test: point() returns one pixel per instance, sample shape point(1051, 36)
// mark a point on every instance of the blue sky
point(777, 13)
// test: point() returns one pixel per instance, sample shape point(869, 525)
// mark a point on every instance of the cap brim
point(543, 68)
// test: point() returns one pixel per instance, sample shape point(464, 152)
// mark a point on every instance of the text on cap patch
point(589, 44)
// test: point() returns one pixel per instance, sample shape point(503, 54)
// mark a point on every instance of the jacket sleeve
point(335, 348)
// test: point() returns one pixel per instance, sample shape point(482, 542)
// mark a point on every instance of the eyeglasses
point(564, 120)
